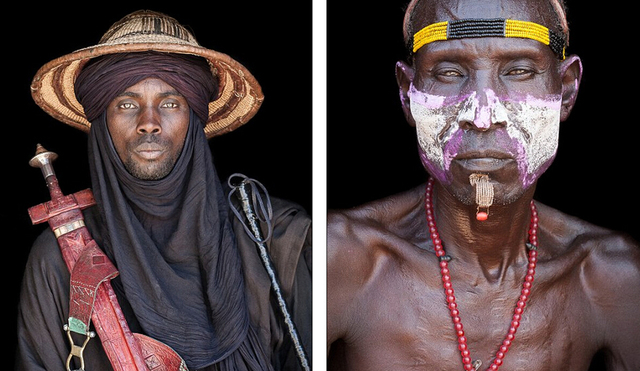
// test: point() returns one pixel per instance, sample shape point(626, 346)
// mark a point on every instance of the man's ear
point(571, 74)
point(404, 77)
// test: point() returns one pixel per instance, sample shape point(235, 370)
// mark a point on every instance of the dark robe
point(44, 304)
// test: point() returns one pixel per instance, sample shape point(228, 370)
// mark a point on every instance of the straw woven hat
point(239, 95)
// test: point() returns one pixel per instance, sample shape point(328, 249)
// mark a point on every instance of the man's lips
point(149, 151)
point(484, 161)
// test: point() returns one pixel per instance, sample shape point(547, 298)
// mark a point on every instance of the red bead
point(482, 216)
point(523, 298)
point(510, 335)
point(529, 278)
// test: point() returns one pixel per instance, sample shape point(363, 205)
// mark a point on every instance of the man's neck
point(489, 248)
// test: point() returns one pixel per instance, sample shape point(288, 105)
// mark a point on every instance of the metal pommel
point(43, 160)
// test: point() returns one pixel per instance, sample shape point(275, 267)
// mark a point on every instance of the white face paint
point(532, 125)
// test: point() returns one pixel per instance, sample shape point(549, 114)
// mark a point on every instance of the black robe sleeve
point(41, 344)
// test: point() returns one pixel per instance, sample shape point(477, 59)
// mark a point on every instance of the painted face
point(525, 130)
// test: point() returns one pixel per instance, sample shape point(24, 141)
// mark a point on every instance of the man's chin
point(504, 194)
point(149, 170)
point(506, 182)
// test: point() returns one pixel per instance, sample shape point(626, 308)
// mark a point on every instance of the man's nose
point(149, 122)
point(482, 111)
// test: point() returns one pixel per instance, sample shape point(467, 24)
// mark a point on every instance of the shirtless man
point(467, 272)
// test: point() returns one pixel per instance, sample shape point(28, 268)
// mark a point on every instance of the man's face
point(486, 105)
point(148, 124)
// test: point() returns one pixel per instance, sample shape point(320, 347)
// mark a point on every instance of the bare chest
point(406, 325)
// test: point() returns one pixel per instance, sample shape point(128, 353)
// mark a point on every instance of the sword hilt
point(60, 205)
point(43, 160)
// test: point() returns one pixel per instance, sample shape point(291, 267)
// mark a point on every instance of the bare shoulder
point(609, 261)
point(612, 270)
point(362, 244)
point(606, 265)
point(358, 235)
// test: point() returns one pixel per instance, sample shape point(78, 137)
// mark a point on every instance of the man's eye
point(170, 105)
point(521, 72)
point(449, 73)
point(127, 105)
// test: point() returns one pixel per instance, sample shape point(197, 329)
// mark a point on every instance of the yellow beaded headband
point(497, 27)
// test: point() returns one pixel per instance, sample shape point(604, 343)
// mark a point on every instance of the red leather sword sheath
point(92, 296)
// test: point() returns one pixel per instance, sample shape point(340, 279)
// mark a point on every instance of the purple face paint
point(532, 126)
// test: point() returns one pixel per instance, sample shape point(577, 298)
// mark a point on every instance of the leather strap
point(90, 271)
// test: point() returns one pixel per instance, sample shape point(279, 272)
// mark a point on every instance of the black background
point(271, 39)
point(371, 151)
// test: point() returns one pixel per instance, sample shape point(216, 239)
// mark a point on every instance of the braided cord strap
point(256, 205)
point(495, 27)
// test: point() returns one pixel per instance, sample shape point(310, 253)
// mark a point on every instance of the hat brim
point(239, 94)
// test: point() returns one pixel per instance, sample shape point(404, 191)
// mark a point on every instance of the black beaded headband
point(496, 27)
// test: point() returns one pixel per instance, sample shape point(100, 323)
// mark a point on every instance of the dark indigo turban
point(105, 77)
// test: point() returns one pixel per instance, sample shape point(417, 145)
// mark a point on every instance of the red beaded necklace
point(451, 299)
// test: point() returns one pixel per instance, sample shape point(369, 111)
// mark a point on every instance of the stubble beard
point(151, 169)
